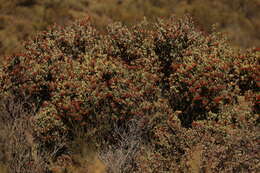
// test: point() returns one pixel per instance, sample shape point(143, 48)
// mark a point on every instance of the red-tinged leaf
point(217, 99)
point(257, 49)
point(198, 97)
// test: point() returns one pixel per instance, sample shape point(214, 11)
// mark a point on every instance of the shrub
point(78, 76)
point(206, 73)
point(168, 73)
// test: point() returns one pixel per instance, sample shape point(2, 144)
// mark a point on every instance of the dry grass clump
point(120, 157)
point(17, 141)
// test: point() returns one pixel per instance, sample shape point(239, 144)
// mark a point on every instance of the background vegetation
point(20, 19)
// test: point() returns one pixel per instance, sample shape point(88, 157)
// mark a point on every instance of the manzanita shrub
point(75, 76)
point(162, 71)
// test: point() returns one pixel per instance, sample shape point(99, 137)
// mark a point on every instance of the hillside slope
point(20, 19)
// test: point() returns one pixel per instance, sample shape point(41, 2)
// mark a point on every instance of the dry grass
point(3, 168)
point(19, 147)
point(20, 150)
point(195, 159)
point(19, 22)
point(120, 157)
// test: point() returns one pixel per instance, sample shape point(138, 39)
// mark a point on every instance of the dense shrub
point(73, 76)
point(212, 148)
point(167, 73)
